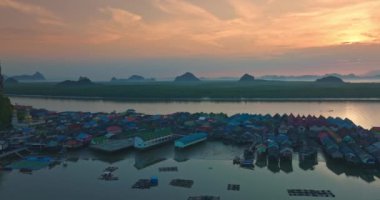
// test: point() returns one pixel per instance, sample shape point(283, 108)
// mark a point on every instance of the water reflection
point(273, 167)
point(366, 174)
point(150, 157)
point(261, 163)
point(211, 151)
point(286, 166)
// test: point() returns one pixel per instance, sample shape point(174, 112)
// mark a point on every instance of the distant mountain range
point(82, 81)
point(314, 77)
point(34, 77)
point(375, 75)
point(133, 78)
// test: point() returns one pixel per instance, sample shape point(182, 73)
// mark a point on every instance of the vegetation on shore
point(202, 89)
point(5, 112)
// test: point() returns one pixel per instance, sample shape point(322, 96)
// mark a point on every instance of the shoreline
point(205, 99)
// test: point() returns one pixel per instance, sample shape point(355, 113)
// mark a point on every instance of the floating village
point(41, 138)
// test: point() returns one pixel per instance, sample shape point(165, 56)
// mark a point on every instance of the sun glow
point(354, 38)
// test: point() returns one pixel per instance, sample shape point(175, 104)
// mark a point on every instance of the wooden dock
point(16, 152)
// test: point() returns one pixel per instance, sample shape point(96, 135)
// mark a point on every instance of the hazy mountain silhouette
point(133, 78)
point(35, 77)
point(247, 78)
point(82, 81)
point(330, 79)
point(186, 77)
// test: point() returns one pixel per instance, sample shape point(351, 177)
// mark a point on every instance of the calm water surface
point(208, 164)
point(366, 114)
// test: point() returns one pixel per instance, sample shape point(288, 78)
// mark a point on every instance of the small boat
point(108, 176)
point(110, 169)
point(26, 171)
point(248, 158)
point(236, 160)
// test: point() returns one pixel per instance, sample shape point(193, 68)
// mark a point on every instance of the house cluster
point(271, 136)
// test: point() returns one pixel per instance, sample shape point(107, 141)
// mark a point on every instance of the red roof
point(114, 129)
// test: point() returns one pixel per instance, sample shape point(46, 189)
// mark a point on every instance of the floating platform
point(32, 163)
point(168, 169)
point(310, 193)
point(233, 187)
point(189, 140)
point(113, 145)
point(16, 152)
point(108, 178)
point(203, 198)
point(146, 183)
point(110, 169)
point(142, 184)
point(182, 183)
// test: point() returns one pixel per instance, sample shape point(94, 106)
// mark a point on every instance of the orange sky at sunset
point(263, 30)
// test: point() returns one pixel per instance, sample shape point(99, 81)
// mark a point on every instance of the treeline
point(5, 112)
point(199, 90)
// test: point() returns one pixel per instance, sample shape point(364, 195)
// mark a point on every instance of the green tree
point(5, 112)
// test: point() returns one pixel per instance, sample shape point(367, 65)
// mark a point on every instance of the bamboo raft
point(168, 169)
point(203, 198)
point(310, 193)
point(233, 187)
point(182, 183)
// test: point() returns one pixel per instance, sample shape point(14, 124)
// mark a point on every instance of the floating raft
point(111, 178)
point(142, 184)
point(182, 183)
point(168, 169)
point(310, 193)
point(204, 198)
point(146, 183)
point(233, 187)
point(110, 169)
point(32, 163)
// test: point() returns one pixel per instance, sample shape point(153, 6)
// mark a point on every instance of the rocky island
point(187, 77)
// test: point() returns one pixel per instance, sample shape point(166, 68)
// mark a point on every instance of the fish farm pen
point(182, 183)
point(168, 169)
point(310, 193)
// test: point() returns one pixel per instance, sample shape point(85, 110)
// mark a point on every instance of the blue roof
point(191, 138)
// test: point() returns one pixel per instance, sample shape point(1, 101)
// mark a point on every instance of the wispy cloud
point(42, 15)
point(262, 28)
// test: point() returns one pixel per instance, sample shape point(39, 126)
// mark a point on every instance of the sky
point(211, 38)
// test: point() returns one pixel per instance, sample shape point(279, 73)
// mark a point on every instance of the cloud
point(260, 28)
point(43, 15)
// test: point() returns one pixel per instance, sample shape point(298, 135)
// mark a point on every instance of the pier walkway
point(16, 152)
